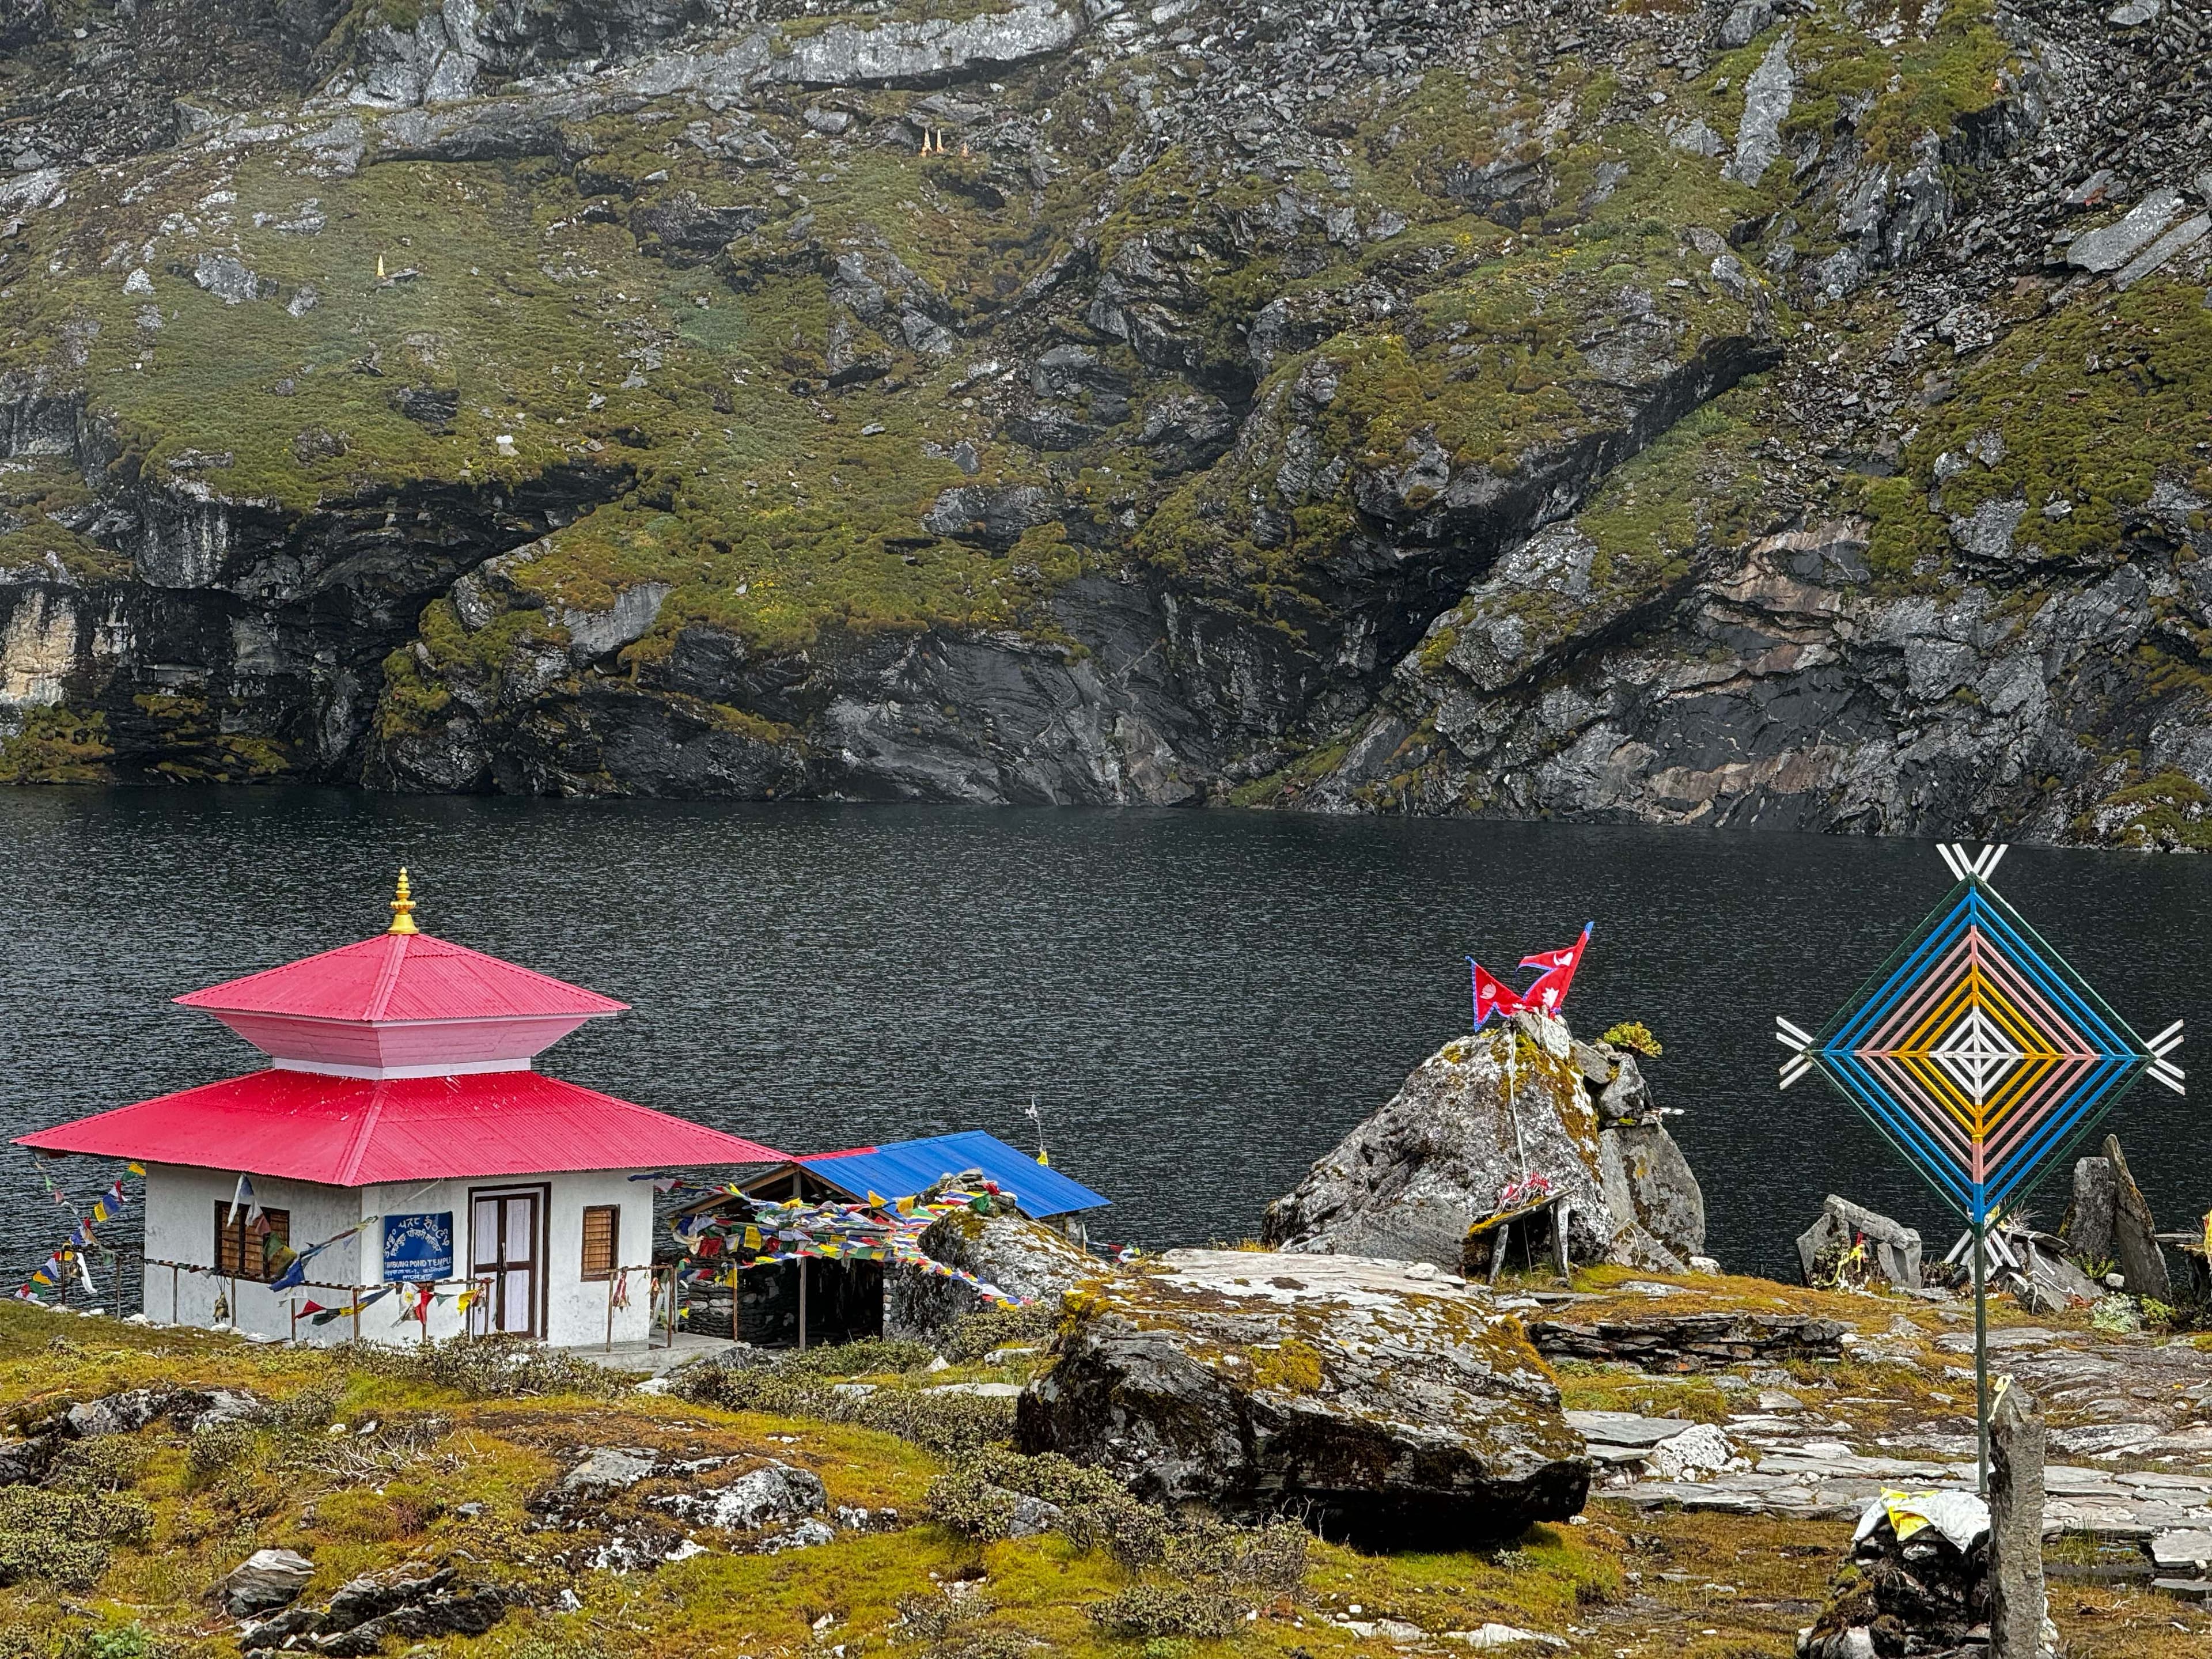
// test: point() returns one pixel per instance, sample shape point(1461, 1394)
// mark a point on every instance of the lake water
point(1202, 1002)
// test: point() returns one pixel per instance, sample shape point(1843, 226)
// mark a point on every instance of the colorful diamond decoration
point(1977, 1051)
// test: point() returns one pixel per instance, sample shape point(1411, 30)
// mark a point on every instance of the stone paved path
point(2132, 1416)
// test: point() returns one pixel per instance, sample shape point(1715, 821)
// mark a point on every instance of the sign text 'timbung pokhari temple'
point(400, 1160)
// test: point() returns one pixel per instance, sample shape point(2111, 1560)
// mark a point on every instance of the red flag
point(1493, 995)
point(1550, 989)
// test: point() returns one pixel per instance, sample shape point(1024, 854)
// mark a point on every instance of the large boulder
point(1412, 1179)
point(1383, 1400)
point(1008, 1252)
point(2090, 1220)
point(2135, 1234)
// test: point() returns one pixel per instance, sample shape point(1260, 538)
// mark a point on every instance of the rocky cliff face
point(1746, 412)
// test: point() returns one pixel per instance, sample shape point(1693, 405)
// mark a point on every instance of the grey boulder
point(1382, 1400)
point(265, 1580)
point(768, 1496)
point(1412, 1179)
point(1893, 1249)
point(2089, 1226)
point(1011, 1252)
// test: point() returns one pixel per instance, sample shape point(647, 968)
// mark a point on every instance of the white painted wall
point(576, 1310)
point(180, 1227)
point(180, 1204)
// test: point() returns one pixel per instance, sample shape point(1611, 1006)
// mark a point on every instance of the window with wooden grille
point(602, 1239)
point(242, 1247)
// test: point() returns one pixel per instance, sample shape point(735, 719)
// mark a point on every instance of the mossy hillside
point(784, 510)
point(2094, 405)
point(770, 522)
point(1698, 487)
point(1491, 364)
point(43, 507)
point(1947, 64)
point(377, 1497)
point(1656, 520)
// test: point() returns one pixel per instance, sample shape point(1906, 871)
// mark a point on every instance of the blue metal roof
point(903, 1167)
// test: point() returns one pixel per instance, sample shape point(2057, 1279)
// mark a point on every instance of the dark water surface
point(1203, 1002)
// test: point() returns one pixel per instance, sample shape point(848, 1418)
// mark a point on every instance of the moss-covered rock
point(1460, 1142)
point(1384, 1405)
point(1025, 1259)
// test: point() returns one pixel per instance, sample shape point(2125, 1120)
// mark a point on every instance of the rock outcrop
point(1011, 1252)
point(265, 1580)
point(1371, 407)
point(1410, 1180)
point(1851, 1244)
point(367, 1612)
point(2135, 1234)
point(1689, 1342)
point(636, 1508)
point(1384, 1401)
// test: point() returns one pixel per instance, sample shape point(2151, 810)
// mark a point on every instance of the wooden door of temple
point(507, 1247)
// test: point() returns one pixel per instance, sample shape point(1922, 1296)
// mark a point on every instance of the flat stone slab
point(1850, 1466)
point(1626, 1428)
point(1616, 1456)
point(1730, 1497)
point(2175, 1550)
point(2160, 1480)
point(2132, 1400)
point(1287, 1278)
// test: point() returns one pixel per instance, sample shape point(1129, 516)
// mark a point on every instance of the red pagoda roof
point(403, 976)
point(363, 1131)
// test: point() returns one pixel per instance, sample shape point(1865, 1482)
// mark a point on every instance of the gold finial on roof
point(403, 909)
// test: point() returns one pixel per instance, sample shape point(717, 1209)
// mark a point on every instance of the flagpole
point(1512, 1114)
point(1981, 1358)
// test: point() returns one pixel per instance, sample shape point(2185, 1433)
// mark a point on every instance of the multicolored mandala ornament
point(1977, 1050)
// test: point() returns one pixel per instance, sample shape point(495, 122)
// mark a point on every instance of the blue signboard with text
point(418, 1248)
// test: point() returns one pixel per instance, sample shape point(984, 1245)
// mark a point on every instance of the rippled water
point(1202, 1002)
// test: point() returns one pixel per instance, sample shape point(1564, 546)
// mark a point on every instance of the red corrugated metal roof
point(398, 977)
point(359, 1132)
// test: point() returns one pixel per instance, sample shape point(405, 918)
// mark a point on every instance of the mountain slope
point(1404, 406)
